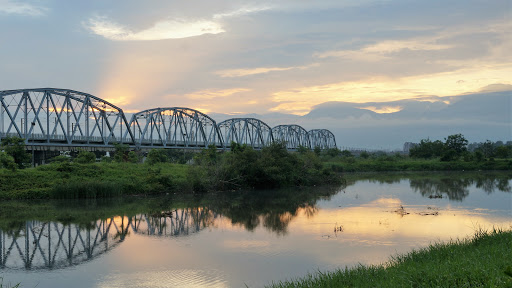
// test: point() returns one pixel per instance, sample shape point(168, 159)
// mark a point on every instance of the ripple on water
point(167, 278)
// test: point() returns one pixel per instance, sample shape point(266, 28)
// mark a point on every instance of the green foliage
point(487, 149)
point(504, 152)
point(427, 149)
point(7, 161)
point(85, 157)
point(456, 142)
point(60, 159)
point(303, 149)
point(449, 155)
point(346, 153)
point(272, 167)
point(15, 147)
point(121, 152)
point(317, 150)
point(364, 155)
point(333, 152)
point(156, 156)
point(133, 157)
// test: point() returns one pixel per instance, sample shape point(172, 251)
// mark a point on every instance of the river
point(244, 238)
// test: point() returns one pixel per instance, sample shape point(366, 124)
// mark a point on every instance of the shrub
point(15, 147)
point(7, 161)
point(156, 156)
point(85, 157)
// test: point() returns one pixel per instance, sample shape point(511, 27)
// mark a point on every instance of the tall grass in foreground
point(485, 260)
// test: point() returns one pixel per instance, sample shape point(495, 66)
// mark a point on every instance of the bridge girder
point(322, 138)
point(175, 127)
point(249, 131)
point(294, 135)
point(45, 116)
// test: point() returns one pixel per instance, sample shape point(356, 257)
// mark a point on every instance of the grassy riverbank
point(482, 261)
point(242, 168)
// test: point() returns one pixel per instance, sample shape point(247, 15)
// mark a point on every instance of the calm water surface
point(252, 238)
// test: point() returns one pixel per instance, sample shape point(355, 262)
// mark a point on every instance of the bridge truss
point(322, 138)
point(47, 117)
point(294, 135)
point(249, 131)
point(61, 117)
point(174, 127)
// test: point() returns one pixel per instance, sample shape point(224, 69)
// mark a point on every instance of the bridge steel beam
point(294, 135)
point(249, 131)
point(322, 138)
point(61, 117)
point(174, 127)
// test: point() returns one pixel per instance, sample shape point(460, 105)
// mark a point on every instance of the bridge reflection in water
point(37, 245)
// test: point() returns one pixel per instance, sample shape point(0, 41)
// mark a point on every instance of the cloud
point(247, 72)
point(213, 94)
point(382, 50)
point(383, 109)
point(378, 89)
point(11, 7)
point(241, 12)
point(168, 29)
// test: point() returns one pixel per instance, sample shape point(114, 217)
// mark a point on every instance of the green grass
point(485, 260)
point(73, 180)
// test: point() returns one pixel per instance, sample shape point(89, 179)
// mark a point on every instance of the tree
point(504, 152)
point(15, 147)
point(487, 148)
point(456, 142)
point(427, 149)
point(364, 155)
point(121, 152)
point(156, 156)
point(6, 161)
point(85, 157)
point(346, 153)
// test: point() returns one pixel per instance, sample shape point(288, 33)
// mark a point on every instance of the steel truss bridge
point(62, 118)
point(37, 245)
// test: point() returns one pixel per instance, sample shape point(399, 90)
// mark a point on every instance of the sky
point(243, 57)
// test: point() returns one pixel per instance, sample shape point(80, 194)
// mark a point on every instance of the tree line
point(456, 147)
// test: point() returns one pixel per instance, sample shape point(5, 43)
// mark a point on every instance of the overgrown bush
point(156, 156)
point(243, 167)
point(15, 147)
point(85, 157)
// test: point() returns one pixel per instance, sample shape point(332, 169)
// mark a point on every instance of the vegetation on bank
point(481, 261)
point(242, 167)
point(165, 171)
point(450, 155)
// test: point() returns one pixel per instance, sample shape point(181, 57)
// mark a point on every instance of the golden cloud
point(382, 89)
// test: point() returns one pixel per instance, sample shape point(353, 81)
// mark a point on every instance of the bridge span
point(63, 119)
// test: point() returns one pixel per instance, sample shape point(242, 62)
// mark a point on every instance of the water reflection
point(357, 216)
point(451, 185)
point(457, 188)
point(174, 223)
point(50, 245)
point(34, 245)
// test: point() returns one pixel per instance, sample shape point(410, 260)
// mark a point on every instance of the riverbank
point(402, 163)
point(229, 172)
point(481, 261)
point(242, 168)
